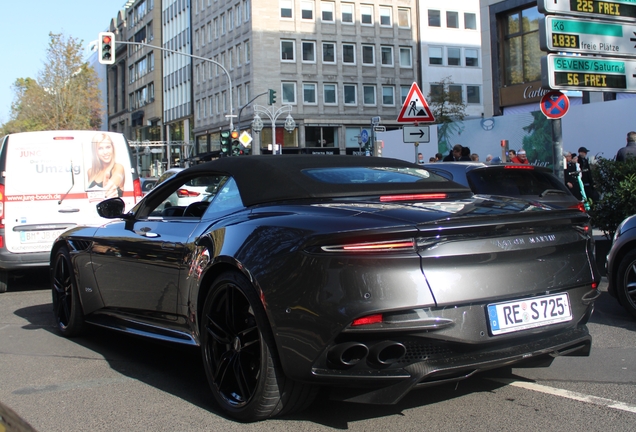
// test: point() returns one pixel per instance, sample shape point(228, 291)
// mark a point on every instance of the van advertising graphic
point(54, 179)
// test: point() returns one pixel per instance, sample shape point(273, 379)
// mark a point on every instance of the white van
point(51, 181)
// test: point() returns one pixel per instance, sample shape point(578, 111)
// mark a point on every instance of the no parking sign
point(554, 104)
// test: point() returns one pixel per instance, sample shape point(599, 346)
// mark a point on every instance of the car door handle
point(145, 232)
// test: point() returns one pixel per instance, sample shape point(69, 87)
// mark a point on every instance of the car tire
point(626, 283)
point(67, 309)
point(4, 281)
point(239, 355)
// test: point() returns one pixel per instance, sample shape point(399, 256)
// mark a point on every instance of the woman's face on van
point(105, 152)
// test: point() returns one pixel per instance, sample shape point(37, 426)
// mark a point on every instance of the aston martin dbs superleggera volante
point(294, 272)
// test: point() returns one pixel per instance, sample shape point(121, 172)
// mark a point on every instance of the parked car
point(621, 265)
point(195, 190)
point(306, 270)
point(528, 182)
point(147, 183)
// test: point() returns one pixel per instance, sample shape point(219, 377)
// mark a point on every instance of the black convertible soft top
point(271, 178)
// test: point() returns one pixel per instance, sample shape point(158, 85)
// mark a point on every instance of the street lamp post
point(273, 115)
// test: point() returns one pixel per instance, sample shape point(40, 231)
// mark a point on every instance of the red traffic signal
point(106, 48)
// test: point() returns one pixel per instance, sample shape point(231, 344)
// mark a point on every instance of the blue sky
point(25, 35)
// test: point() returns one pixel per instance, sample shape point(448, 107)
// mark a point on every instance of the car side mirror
point(111, 208)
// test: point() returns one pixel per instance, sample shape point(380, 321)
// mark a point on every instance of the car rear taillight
point(184, 193)
point(2, 200)
point(381, 246)
point(526, 167)
point(137, 190)
point(580, 206)
point(366, 320)
point(413, 197)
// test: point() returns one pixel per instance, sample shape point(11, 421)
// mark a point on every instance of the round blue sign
point(364, 136)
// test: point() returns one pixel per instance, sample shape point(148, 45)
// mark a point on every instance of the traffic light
point(237, 148)
point(226, 143)
point(272, 97)
point(106, 48)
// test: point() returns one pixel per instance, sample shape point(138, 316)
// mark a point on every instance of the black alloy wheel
point(237, 349)
point(626, 283)
point(69, 316)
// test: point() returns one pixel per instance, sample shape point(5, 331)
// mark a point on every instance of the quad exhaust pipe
point(380, 355)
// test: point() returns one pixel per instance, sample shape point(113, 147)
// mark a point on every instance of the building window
point(329, 94)
point(309, 52)
point(385, 17)
point(286, 9)
point(455, 93)
point(454, 56)
point(388, 95)
point(472, 58)
point(366, 15)
point(238, 55)
point(470, 21)
point(434, 18)
point(287, 49)
point(404, 18)
point(350, 94)
point(230, 58)
point(437, 90)
point(435, 55)
point(348, 53)
point(387, 55)
point(230, 19)
point(404, 92)
point(327, 11)
point(521, 53)
point(406, 58)
point(307, 10)
point(309, 94)
point(452, 19)
point(473, 94)
point(328, 52)
point(346, 13)
point(369, 95)
point(248, 52)
point(288, 92)
point(368, 55)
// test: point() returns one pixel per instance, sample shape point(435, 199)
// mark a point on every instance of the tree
point(448, 109)
point(65, 95)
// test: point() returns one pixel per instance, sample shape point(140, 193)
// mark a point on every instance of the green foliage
point(64, 96)
point(448, 109)
point(616, 184)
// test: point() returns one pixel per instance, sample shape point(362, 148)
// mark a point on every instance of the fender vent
point(80, 245)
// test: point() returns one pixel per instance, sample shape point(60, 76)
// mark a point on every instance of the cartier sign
point(521, 94)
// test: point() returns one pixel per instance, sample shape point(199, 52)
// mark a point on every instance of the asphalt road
point(109, 382)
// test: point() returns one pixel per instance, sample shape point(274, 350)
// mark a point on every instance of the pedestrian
point(438, 157)
point(432, 159)
point(511, 155)
point(465, 154)
point(488, 158)
point(586, 175)
point(570, 176)
point(521, 158)
point(474, 157)
point(420, 158)
point(629, 150)
point(455, 154)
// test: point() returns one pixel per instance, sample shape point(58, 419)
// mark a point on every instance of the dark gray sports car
point(296, 271)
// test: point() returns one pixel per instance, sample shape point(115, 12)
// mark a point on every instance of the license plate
point(512, 316)
point(39, 236)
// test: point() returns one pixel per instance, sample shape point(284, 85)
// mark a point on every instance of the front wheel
point(239, 357)
point(69, 316)
point(626, 283)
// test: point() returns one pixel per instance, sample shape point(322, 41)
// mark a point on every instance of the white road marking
point(609, 403)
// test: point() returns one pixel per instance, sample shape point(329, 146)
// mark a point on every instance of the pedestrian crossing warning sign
point(415, 108)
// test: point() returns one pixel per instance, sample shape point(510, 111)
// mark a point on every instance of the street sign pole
point(557, 148)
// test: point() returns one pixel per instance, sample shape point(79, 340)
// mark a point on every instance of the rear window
point(372, 175)
point(512, 182)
